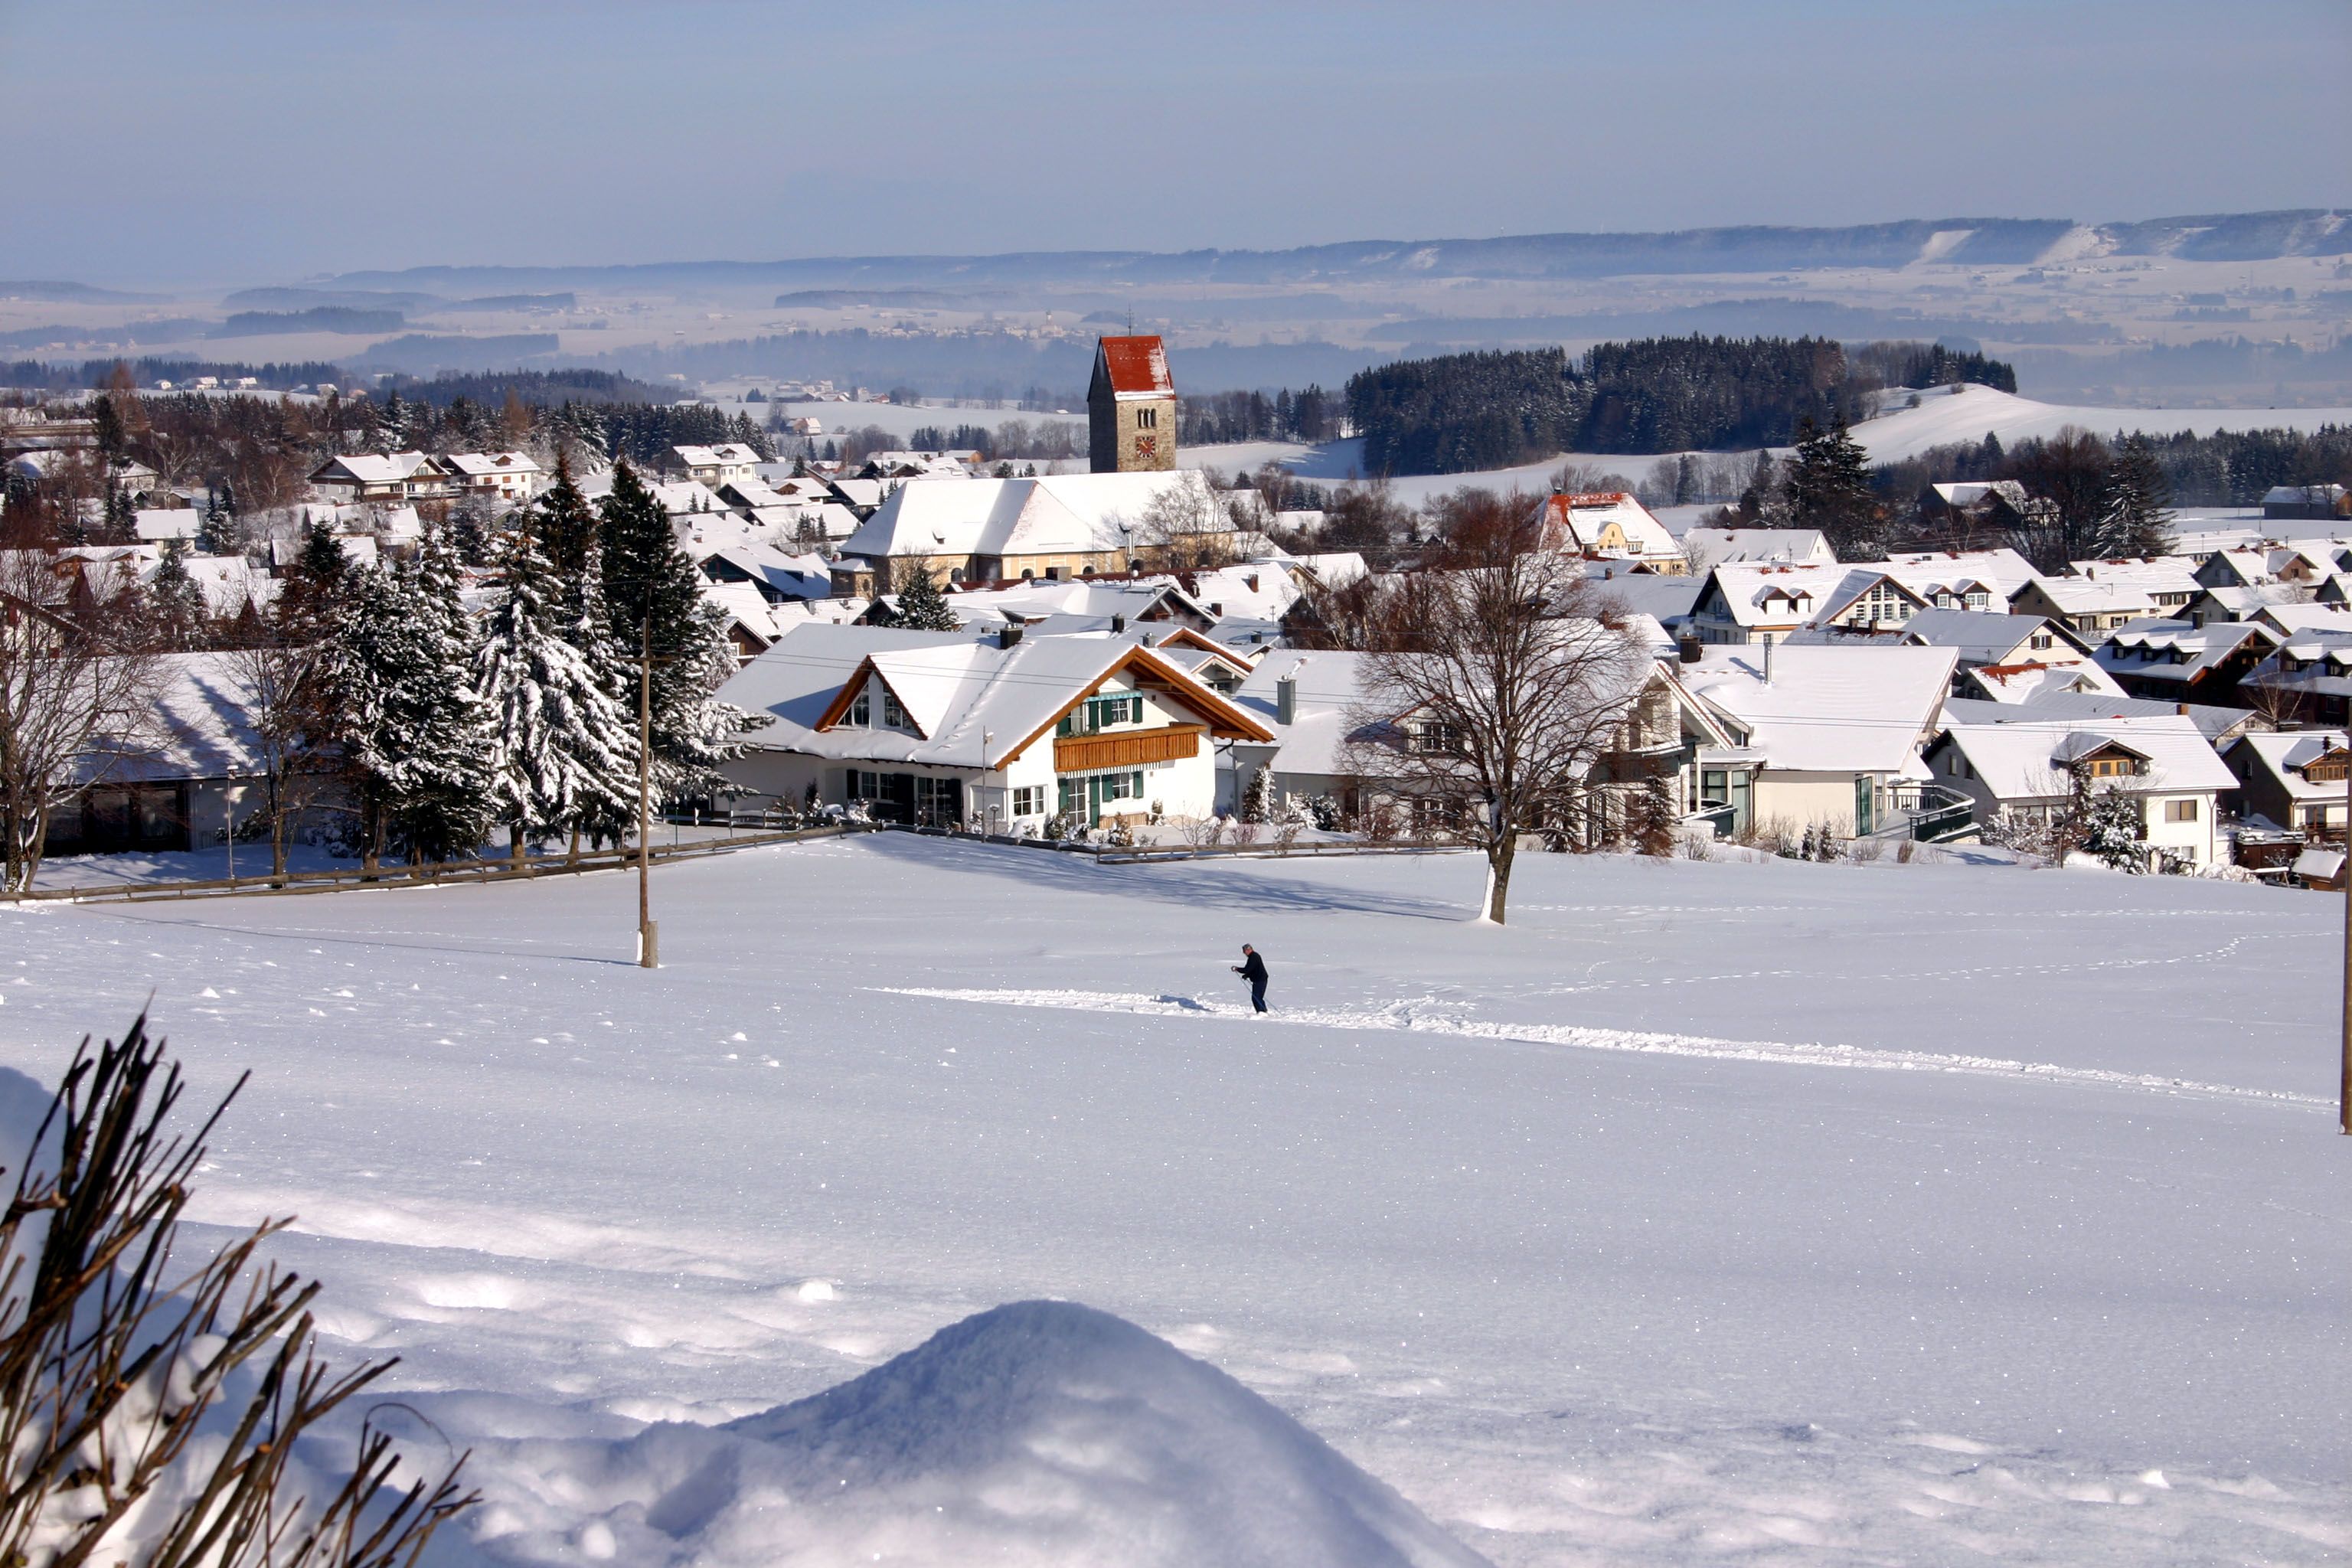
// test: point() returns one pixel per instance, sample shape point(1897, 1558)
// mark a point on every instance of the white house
point(960, 530)
point(2163, 761)
point(379, 477)
point(1610, 524)
point(508, 478)
point(729, 463)
point(994, 733)
point(1832, 734)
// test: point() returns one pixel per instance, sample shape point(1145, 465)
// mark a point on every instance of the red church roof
point(1137, 367)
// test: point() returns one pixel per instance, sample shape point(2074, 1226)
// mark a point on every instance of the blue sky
point(266, 141)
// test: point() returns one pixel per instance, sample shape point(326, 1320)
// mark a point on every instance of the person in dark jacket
point(1252, 968)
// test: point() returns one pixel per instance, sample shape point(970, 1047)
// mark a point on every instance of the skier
point(1252, 968)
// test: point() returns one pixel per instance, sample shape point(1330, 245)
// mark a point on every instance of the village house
point(505, 479)
point(1746, 602)
point(2170, 581)
point(2291, 779)
point(985, 531)
point(712, 467)
point(2027, 769)
point(997, 733)
point(2090, 606)
point(1832, 735)
point(2306, 678)
point(1610, 525)
point(1131, 407)
point(1996, 506)
point(2290, 503)
point(2181, 662)
point(359, 476)
point(1708, 547)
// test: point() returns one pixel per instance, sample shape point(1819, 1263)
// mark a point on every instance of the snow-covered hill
point(1944, 417)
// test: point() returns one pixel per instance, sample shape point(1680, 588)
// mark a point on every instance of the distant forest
point(2228, 467)
point(1499, 409)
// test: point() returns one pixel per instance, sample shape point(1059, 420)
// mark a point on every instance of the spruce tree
point(653, 593)
point(179, 604)
point(219, 533)
point(2135, 519)
point(416, 735)
point(922, 607)
point(562, 752)
point(1829, 488)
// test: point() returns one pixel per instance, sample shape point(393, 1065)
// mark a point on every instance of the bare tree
point(111, 1369)
point(1186, 527)
point(1507, 678)
point(77, 690)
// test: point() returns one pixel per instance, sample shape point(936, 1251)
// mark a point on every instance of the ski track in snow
point(1404, 1015)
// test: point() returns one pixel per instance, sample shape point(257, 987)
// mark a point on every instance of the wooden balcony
point(1134, 749)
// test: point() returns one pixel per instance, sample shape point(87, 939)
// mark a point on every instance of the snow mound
point(1034, 1434)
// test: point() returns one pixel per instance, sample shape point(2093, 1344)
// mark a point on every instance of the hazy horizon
point(269, 142)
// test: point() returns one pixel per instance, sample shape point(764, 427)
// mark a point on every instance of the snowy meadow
point(1709, 1212)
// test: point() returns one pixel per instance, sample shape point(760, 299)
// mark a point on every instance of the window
point(894, 714)
point(2179, 811)
point(1974, 601)
point(1029, 800)
point(2110, 767)
point(2041, 642)
point(861, 709)
point(1101, 713)
point(1146, 419)
point(2315, 816)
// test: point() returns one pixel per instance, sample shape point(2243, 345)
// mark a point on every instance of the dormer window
point(861, 709)
point(894, 713)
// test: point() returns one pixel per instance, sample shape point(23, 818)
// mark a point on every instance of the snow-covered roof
point(2049, 706)
point(1924, 571)
point(1986, 637)
point(727, 455)
point(1758, 594)
point(2027, 761)
point(1585, 522)
point(370, 467)
point(1330, 688)
point(199, 726)
point(2029, 681)
point(1790, 546)
point(153, 524)
point(489, 465)
point(2153, 574)
point(2297, 495)
point(2161, 649)
point(1136, 367)
point(1825, 709)
point(1077, 602)
point(2306, 616)
point(996, 517)
point(2085, 596)
point(2315, 864)
point(976, 704)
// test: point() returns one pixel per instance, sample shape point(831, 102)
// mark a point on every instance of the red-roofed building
point(1131, 407)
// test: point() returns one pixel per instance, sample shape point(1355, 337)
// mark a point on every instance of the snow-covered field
point(1707, 1212)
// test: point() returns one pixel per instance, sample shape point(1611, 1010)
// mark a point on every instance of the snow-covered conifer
point(922, 607)
point(562, 752)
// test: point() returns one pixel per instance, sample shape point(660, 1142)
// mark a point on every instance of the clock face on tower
point(1147, 445)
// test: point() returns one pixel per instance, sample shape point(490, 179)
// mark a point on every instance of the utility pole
point(2344, 871)
point(648, 933)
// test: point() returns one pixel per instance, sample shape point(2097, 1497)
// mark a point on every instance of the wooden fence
point(435, 873)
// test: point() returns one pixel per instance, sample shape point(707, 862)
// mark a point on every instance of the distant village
point(1133, 654)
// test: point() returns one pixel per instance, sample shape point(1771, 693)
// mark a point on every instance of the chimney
point(1285, 700)
point(2181, 709)
point(1010, 635)
point(1691, 649)
point(1118, 624)
point(1767, 659)
point(1218, 610)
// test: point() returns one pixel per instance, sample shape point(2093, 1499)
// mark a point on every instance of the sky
point(266, 143)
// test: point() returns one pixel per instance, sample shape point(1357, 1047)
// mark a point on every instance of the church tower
point(1131, 408)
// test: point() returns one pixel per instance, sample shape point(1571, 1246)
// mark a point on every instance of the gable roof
point(1829, 708)
point(1044, 515)
point(1135, 367)
point(2026, 759)
point(1581, 520)
point(2284, 754)
point(1988, 637)
point(976, 704)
